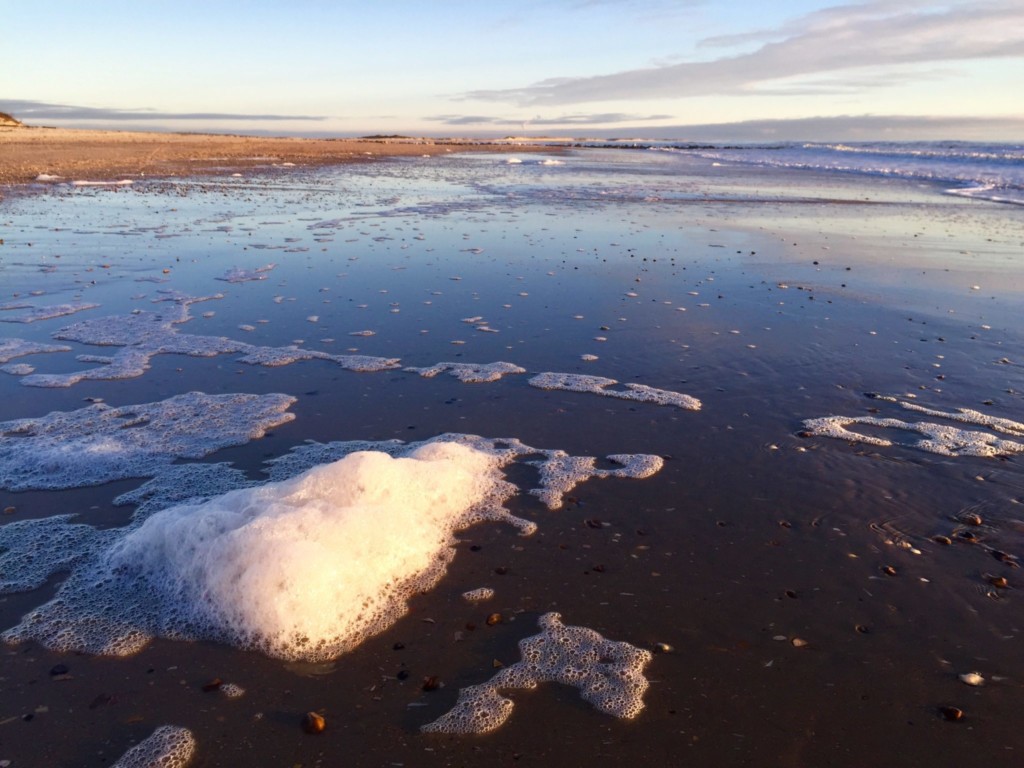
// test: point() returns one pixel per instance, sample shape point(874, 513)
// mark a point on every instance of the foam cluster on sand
point(608, 674)
point(169, 746)
point(560, 472)
point(941, 439)
point(35, 313)
point(239, 275)
point(11, 348)
point(471, 373)
point(99, 443)
point(303, 567)
point(599, 385)
point(142, 335)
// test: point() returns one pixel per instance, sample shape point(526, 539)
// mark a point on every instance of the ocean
point(672, 455)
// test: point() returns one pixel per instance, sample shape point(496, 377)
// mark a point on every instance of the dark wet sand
point(750, 532)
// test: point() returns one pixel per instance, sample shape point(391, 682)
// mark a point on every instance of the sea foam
point(169, 746)
point(608, 674)
point(302, 567)
point(99, 443)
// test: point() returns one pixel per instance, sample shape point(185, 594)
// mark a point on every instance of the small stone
point(970, 518)
point(889, 570)
point(212, 685)
point(313, 722)
point(972, 678)
point(999, 582)
point(59, 669)
point(798, 642)
point(9, 510)
point(952, 714)
point(663, 648)
point(432, 683)
point(943, 540)
point(494, 618)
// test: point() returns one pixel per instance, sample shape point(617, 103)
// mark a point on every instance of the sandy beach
point(29, 152)
point(823, 566)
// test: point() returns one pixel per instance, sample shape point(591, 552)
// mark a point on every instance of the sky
point(704, 70)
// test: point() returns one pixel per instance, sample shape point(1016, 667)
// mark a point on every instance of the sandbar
point(28, 153)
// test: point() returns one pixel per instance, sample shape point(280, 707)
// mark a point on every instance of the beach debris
point(972, 678)
point(169, 746)
point(313, 723)
point(607, 673)
point(478, 595)
point(493, 618)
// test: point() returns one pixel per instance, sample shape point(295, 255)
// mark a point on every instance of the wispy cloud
point(846, 37)
point(600, 118)
point(31, 111)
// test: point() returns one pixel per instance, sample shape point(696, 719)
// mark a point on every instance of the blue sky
point(703, 69)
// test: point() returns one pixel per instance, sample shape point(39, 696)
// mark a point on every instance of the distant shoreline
point(66, 154)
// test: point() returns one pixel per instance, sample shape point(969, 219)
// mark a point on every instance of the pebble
point(972, 678)
point(494, 618)
point(798, 642)
point(9, 510)
point(999, 582)
point(663, 648)
point(952, 713)
point(313, 722)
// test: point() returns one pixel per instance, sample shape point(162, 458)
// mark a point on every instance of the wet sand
point(28, 152)
point(770, 309)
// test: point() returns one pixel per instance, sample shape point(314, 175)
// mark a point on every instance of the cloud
point(847, 37)
point(602, 118)
point(27, 111)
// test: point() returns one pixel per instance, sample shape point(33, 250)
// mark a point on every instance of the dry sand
point(27, 152)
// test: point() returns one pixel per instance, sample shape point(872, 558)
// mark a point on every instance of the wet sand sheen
point(809, 613)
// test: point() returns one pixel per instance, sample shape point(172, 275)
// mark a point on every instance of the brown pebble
point(952, 713)
point(999, 582)
point(970, 518)
point(431, 683)
point(943, 540)
point(494, 618)
point(889, 570)
point(864, 630)
point(213, 685)
point(313, 722)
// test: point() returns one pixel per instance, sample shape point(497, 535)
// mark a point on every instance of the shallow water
point(772, 295)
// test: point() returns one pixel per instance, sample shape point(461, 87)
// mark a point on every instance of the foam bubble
point(99, 443)
point(470, 372)
point(169, 746)
point(608, 674)
point(598, 385)
point(17, 369)
point(478, 595)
